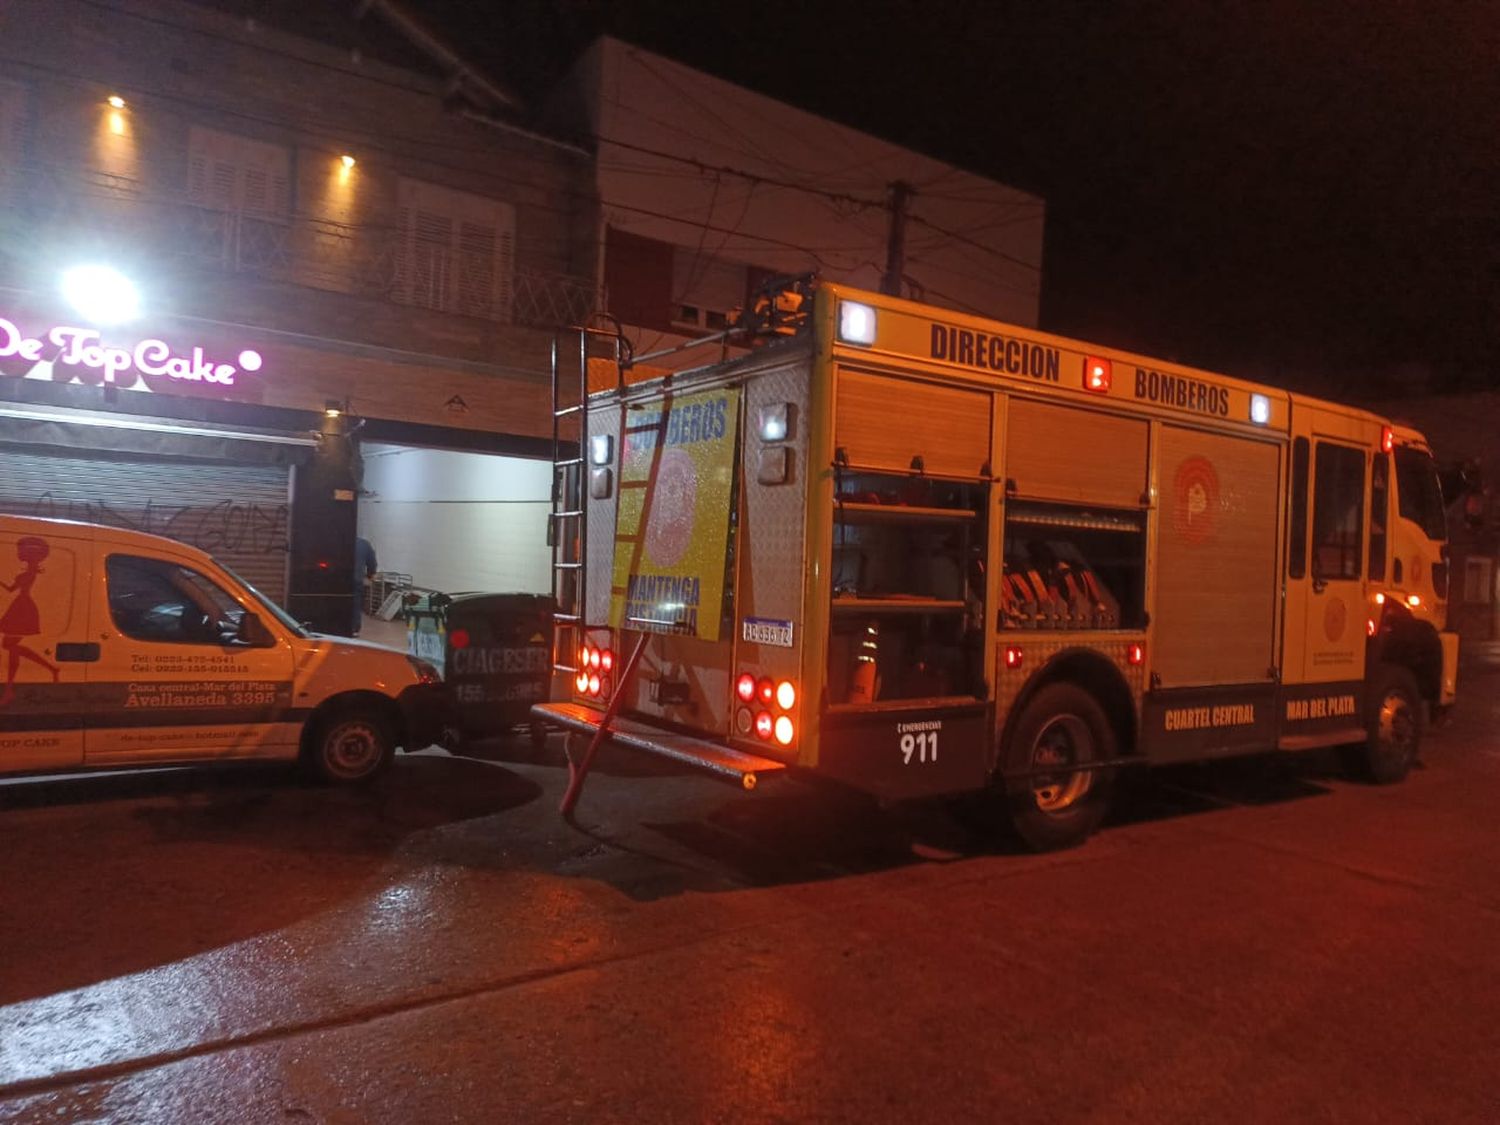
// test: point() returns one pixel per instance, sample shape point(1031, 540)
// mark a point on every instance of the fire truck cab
point(923, 554)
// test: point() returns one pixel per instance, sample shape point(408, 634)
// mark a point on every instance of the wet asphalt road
point(1251, 941)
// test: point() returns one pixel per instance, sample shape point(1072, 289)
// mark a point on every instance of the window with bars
point(233, 173)
point(456, 251)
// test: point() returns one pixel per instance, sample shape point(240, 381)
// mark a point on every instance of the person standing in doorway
point(365, 567)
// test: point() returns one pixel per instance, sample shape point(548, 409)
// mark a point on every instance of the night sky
point(1307, 193)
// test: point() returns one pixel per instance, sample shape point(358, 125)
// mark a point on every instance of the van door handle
point(77, 652)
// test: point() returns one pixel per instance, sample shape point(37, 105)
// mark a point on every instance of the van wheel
point(347, 747)
point(1062, 726)
point(1393, 727)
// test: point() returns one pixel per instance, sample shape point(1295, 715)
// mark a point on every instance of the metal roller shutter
point(238, 513)
point(1216, 584)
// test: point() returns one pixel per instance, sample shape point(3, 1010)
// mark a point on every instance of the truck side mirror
point(253, 632)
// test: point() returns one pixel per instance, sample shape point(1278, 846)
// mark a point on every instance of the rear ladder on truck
point(568, 525)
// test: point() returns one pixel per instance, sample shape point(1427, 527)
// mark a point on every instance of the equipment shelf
point(896, 605)
point(858, 512)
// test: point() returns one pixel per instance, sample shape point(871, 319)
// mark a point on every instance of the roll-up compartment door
point(1055, 452)
point(1215, 606)
point(885, 421)
point(237, 513)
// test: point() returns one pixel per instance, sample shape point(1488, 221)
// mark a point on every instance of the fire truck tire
point(1393, 726)
point(348, 746)
point(1062, 725)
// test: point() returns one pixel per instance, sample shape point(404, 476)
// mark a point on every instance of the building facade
point(347, 295)
point(350, 275)
point(708, 189)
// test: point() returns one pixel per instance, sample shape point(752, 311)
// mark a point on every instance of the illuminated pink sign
point(82, 351)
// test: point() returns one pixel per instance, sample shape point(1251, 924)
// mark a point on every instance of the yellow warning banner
point(672, 529)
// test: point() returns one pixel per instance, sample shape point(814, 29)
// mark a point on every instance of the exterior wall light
point(101, 294)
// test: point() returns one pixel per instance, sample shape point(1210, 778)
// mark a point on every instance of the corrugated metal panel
point(1216, 559)
point(1063, 453)
point(238, 513)
point(884, 422)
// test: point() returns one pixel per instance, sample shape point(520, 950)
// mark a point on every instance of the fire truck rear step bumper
point(736, 765)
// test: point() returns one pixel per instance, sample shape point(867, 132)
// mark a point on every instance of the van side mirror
point(253, 632)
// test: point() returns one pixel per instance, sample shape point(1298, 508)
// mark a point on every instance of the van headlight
point(426, 673)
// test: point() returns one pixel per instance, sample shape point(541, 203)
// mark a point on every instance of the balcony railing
point(96, 211)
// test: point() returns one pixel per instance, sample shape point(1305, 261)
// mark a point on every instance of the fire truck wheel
point(1063, 725)
point(349, 746)
point(1393, 726)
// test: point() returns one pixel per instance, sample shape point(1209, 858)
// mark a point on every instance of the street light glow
point(101, 295)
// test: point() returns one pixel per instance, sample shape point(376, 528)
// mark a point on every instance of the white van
point(119, 648)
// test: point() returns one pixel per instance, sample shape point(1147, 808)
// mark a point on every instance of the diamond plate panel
point(1039, 649)
point(767, 542)
point(772, 562)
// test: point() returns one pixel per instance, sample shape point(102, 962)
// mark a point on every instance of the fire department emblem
point(1195, 500)
point(669, 527)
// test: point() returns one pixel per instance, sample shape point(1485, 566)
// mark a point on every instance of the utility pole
point(895, 247)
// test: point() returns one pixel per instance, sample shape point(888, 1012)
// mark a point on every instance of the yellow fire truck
point(925, 554)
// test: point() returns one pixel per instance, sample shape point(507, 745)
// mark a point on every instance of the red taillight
point(765, 687)
point(764, 725)
point(604, 686)
point(1369, 627)
point(593, 685)
point(459, 638)
point(744, 687)
point(595, 658)
point(1136, 654)
point(784, 731)
point(1387, 439)
point(607, 660)
point(1097, 375)
point(1013, 657)
point(786, 695)
point(582, 683)
point(583, 656)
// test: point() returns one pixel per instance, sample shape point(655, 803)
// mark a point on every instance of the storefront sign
point(82, 355)
point(671, 535)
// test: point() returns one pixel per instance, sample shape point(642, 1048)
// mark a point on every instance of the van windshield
point(270, 607)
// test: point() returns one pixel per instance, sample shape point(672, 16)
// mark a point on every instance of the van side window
point(156, 600)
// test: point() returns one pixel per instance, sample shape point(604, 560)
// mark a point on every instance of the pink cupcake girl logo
point(21, 619)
